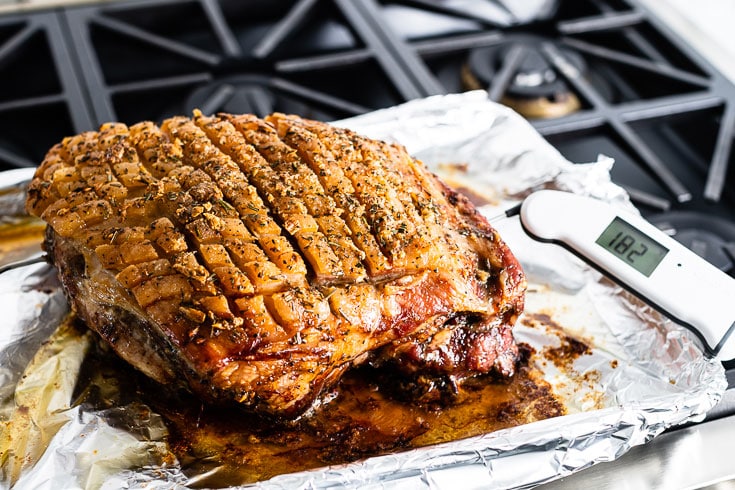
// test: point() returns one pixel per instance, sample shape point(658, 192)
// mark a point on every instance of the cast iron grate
point(40, 95)
point(640, 88)
point(149, 60)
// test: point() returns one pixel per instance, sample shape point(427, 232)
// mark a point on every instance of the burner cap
point(263, 94)
point(247, 94)
point(535, 90)
point(710, 237)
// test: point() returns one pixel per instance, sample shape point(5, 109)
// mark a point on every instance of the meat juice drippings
point(20, 237)
point(356, 419)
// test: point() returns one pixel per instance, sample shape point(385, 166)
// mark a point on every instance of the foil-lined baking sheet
point(642, 373)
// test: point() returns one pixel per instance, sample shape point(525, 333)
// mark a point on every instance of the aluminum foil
point(643, 374)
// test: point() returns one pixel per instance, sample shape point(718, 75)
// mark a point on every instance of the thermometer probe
point(641, 258)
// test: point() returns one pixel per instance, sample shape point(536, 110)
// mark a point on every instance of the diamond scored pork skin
point(256, 260)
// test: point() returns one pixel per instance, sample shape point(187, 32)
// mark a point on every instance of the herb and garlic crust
point(256, 260)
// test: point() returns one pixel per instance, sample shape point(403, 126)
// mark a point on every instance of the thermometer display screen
point(632, 246)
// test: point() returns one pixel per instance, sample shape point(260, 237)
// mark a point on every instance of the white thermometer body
point(641, 258)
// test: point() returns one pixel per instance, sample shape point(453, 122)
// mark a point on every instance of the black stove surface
point(593, 76)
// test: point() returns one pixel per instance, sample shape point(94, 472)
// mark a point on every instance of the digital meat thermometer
point(641, 258)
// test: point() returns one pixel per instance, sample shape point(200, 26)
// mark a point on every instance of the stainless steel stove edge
point(697, 456)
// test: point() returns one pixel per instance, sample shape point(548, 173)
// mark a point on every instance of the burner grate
point(150, 60)
point(638, 75)
point(37, 106)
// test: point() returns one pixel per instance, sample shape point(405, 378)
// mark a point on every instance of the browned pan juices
point(358, 421)
point(456, 176)
point(20, 237)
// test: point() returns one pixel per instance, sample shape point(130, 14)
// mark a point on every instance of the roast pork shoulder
point(255, 260)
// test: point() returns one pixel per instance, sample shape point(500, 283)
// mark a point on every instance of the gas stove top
point(593, 76)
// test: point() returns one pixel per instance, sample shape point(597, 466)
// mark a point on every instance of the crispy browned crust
point(258, 259)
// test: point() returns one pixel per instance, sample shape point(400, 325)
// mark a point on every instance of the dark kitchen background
point(592, 76)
